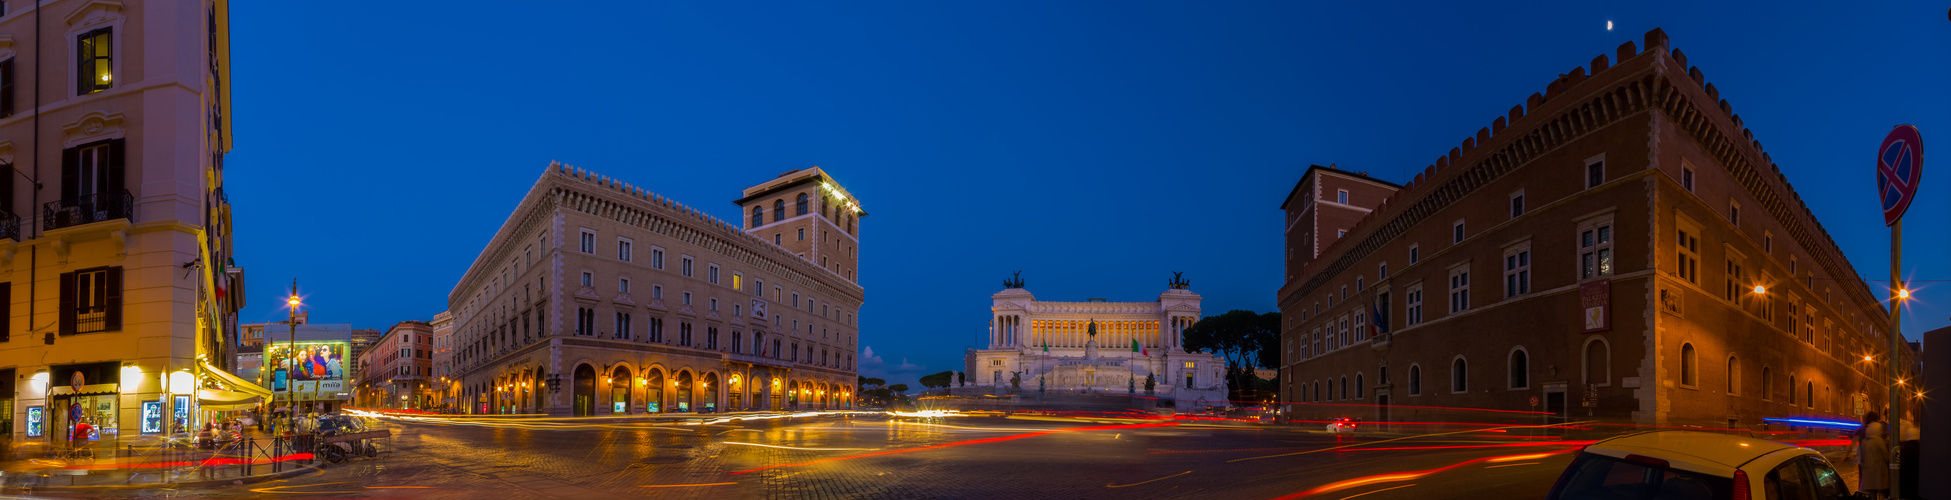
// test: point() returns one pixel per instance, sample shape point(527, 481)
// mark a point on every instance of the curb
point(301, 469)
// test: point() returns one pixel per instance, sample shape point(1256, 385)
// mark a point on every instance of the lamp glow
point(1760, 289)
point(182, 383)
point(1903, 293)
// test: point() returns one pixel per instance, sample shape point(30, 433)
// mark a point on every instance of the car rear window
point(1599, 477)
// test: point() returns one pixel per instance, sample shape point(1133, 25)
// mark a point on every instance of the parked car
point(1689, 465)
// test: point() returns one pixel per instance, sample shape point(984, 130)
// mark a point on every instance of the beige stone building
point(446, 388)
point(598, 297)
point(115, 242)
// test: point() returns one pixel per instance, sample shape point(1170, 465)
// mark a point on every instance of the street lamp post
point(291, 349)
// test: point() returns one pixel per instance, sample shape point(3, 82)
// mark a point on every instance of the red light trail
point(1410, 475)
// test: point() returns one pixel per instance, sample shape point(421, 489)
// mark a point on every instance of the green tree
point(898, 388)
point(942, 379)
point(1244, 338)
point(962, 379)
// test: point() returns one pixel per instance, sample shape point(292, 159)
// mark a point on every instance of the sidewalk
point(244, 462)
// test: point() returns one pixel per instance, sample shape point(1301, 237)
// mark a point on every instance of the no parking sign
point(1899, 167)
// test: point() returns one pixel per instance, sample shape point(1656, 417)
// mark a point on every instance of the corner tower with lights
point(808, 213)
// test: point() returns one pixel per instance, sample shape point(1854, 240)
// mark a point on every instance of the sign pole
point(1900, 166)
point(1893, 428)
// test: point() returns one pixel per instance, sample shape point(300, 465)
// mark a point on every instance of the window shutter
point(67, 312)
point(7, 191)
point(6, 311)
point(7, 87)
point(113, 320)
point(116, 150)
point(70, 174)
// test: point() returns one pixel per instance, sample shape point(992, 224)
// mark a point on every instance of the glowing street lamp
point(1760, 289)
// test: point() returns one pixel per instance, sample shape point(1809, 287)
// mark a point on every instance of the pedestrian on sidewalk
point(1872, 447)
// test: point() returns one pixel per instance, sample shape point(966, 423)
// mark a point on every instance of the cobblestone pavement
point(881, 457)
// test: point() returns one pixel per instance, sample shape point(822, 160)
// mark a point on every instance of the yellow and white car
point(1688, 465)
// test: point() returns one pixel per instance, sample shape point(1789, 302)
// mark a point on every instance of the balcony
point(118, 204)
point(9, 226)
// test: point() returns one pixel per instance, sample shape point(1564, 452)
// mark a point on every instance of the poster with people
point(314, 362)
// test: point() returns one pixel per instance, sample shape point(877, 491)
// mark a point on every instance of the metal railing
point(118, 204)
point(9, 225)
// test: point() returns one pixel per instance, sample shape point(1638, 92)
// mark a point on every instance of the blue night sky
point(1094, 146)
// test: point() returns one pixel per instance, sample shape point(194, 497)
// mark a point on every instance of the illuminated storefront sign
point(152, 417)
point(36, 422)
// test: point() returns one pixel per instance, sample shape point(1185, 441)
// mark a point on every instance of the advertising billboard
point(318, 365)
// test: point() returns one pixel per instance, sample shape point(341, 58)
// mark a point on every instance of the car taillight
point(1740, 484)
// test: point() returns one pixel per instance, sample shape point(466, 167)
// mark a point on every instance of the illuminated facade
point(1618, 248)
point(1049, 346)
point(116, 272)
point(597, 297)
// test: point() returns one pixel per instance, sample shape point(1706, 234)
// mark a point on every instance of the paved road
point(873, 456)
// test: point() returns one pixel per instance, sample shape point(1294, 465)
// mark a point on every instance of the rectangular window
point(1767, 242)
point(91, 301)
point(711, 273)
point(1687, 178)
point(588, 242)
point(656, 291)
point(1382, 271)
point(96, 51)
point(589, 279)
point(1413, 312)
point(684, 333)
point(1517, 204)
point(687, 298)
point(622, 326)
point(623, 250)
point(1460, 289)
point(656, 258)
point(1735, 284)
point(687, 266)
point(1734, 213)
point(1358, 284)
point(714, 304)
point(1456, 232)
point(711, 338)
point(758, 288)
point(1361, 326)
point(1595, 174)
point(1415, 254)
point(623, 285)
point(656, 334)
point(1339, 234)
point(802, 234)
point(1595, 249)
point(738, 281)
point(1688, 248)
point(1791, 266)
point(1517, 272)
point(1341, 196)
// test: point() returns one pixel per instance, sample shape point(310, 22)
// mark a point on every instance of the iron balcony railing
point(118, 204)
point(9, 225)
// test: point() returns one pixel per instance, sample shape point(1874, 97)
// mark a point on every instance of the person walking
point(1872, 456)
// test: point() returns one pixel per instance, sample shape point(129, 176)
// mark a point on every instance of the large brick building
point(598, 297)
point(1603, 243)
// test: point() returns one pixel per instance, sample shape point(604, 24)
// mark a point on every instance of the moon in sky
point(1608, 25)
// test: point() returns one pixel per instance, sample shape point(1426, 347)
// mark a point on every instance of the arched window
point(1520, 369)
point(1359, 392)
point(1459, 376)
point(778, 210)
point(1767, 383)
point(799, 207)
point(1791, 389)
point(1810, 401)
point(1733, 375)
point(1598, 362)
point(1303, 393)
point(1317, 391)
point(1689, 374)
point(1344, 387)
point(1415, 380)
point(758, 216)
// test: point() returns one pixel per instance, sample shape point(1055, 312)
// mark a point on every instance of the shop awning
point(222, 400)
point(236, 384)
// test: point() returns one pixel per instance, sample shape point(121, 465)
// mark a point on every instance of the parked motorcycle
point(336, 425)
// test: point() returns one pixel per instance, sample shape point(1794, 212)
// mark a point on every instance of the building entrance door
point(1555, 405)
point(1381, 410)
